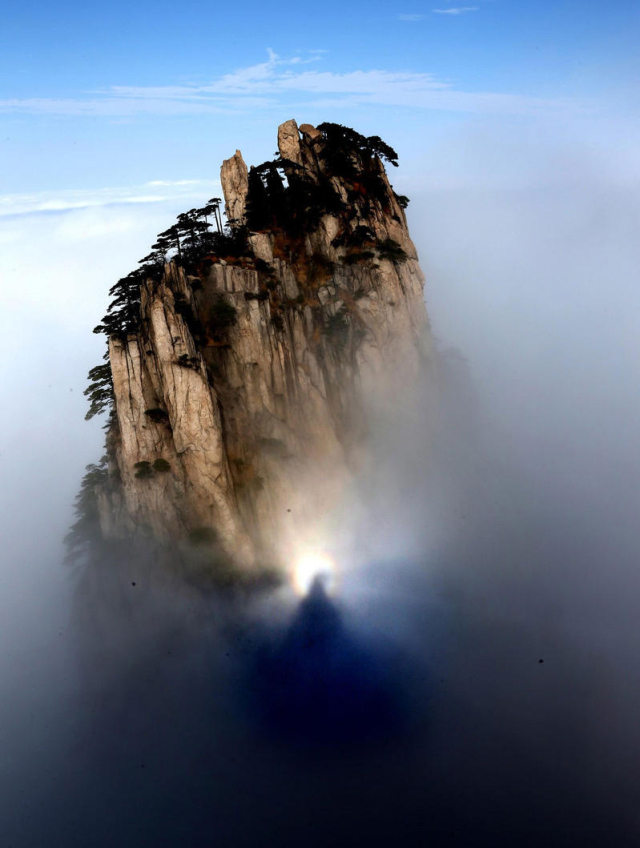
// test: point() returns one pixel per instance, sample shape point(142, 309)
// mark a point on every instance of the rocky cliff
point(243, 394)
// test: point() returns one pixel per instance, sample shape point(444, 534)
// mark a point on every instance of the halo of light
point(310, 565)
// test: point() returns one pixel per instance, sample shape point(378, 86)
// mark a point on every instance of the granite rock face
point(251, 429)
point(234, 176)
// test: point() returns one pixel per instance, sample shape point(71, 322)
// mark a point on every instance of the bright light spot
point(312, 565)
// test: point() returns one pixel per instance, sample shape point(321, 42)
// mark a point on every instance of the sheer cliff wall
point(246, 427)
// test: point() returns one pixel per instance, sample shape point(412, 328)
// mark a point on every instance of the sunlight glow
point(314, 564)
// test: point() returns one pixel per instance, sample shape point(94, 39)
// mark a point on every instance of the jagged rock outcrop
point(244, 400)
point(234, 176)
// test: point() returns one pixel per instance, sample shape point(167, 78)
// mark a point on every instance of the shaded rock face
point(244, 402)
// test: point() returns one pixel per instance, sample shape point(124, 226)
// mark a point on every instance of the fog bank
point(495, 608)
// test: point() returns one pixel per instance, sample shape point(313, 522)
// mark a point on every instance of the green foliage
point(359, 256)
point(276, 192)
point(374, 187)
point(343, 147)
point(262, 266)
point(222, 315)
point(86, 528)
point(198, 235)
point(257, 208)
point(99, 391)
point(390, 249)
point(123, 313)
point(230, 243)
point(269, 203)
point(375, 146)
point(402, 200)
point(187, 241)
point(146, 469)
point(358, 237)
point(308, 201)
point(298, 206)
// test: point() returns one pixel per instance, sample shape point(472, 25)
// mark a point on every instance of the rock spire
point(244, 399)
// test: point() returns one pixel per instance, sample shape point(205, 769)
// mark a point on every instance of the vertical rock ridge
point(234, 178)
point(262, 422)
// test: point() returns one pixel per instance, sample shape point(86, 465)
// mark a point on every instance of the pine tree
point(257, 208)
point(99, 391)
point(123, 313)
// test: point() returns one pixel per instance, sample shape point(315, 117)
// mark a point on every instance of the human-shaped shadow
point(318, 685)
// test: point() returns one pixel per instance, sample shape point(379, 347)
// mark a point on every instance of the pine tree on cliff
point(342, 144)
point(123, 314)
point(99, 391)
point(213, 209)
point(257, 209)
point(277, 197)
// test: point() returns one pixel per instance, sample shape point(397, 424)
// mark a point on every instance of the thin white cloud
point(173, 182)
point(108, 106)
point(94, 225)
point(456, 10)
point(278, 83)
point(155, 191)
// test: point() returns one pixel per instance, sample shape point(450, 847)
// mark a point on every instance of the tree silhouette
point(100, 390)
point(171, 238)
point(123, 313)
point(213, 208)
point(257, 211)
point(343, 147)
point(85, 530)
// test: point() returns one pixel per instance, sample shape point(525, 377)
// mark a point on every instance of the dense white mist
point(516, 543)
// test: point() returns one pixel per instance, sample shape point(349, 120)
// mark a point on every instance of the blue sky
point(114, 96)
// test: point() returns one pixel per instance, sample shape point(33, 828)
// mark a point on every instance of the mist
point(488, 615)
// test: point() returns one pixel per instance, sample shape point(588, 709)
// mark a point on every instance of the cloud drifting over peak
point(279, 82)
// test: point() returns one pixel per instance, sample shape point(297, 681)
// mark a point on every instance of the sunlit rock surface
point(261, 426)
